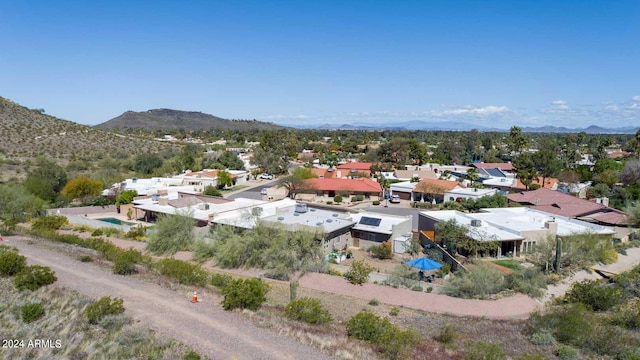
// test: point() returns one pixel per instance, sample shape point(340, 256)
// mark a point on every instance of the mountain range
point(169, 120)
point(415, 125)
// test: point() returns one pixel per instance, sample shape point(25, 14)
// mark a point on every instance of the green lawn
point(511, 264)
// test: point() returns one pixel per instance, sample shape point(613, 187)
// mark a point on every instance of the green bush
point(395, 311)
point(569, 324)
point(416, 288)
point(32, 312)
point(136, 232)
point(125, 262)
point(308, 310)
point(393, 342)
point(595, 295)
point(375, 202)
point(359, 272)
point(220, 280)
point(382, 251)
point(11, 262)
point(97, 232)
point(34, 277)
point(479, 282)
point(529, 281)
point(366, 326)
point(103, 307)
point(337, 199)
point(244, 294)
point(447, 334)
point(481, 350)
point(543, 337)
point(566, 352)
point(374, 302)
point(182, 271)
point(85, 258)
point(53, 222)
point(192, 355)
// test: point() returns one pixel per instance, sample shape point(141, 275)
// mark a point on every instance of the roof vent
point(329, 220)
point(312, 209)
point(301, 208)
point(319, 223)
point(155, 197)
point(334, 215)
point(476, 222)
point(296, 214)
point(280, 218)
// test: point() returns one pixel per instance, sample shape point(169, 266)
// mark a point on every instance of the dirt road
point(205, 326)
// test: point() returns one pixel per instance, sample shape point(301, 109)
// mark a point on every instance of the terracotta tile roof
point(436, 186)
point(501, 166)
point(358, 166)
point(355, 185)
point(613, 218)
point(559, 203)
point(211, 174)
point(319, 172)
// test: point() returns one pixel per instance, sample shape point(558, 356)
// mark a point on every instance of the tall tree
point(547, 163)
point(224, 179)
point(517, 141)
point(296, 181)
point(82, 188)
point(47, 180)
point(525, 169)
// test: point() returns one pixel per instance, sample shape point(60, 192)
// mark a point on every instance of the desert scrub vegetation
point(244, 294)
point(171, 234)
point(278, 251)
point(358, 273)
point(64, 319)
point(103, 307)
point(32, 312)
point(34, 277)
point(183, 272)
point(11, 262)
point(597, 319)
point(309, 310)
point(388, 339)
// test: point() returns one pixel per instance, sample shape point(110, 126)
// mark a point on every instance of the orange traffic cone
point(194, 299)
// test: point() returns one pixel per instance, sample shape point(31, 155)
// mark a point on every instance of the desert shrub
point(566, 352)
point(375, 202)
point(401, 276)
point(529, 281)
point(447, 335)
point(32, 312)
point(244, 294)
point(531, 357)
point(543, 337)
point(136, 232)
point(11, 262)
point(103, 307)
point(337, 199)
point(395, 311)
point(192, 355)
point(182, 271)
point(569, 324)
point(481, 281)
point(357, 198)
point(374, 302)
point(125, 262)
point(629, 281)
point(172, 233)
point(220, 280)
point(367, 326)
point(52, 222)
point(382, 251)
point(111, 231)
point(97, 232)
point(114, 321)
point(595, 295)
point(34, 277)
point(359, 272)
point(391, 341)
point(309, 310)
point(416, 288)
point(85, 258)
point(481, 350)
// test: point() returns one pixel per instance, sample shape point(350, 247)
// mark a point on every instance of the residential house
point(374, 228)
point(515, 229)
point(559, 203)
point(368, 188)
point(432, 190)
point(459, 194)
point(354, 168)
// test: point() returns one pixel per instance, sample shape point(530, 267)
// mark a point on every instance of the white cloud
point(614, 108)
point(559, 102)
point(474, 110)
point(636, 98)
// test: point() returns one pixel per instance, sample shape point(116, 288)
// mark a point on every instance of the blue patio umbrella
point(424, 264)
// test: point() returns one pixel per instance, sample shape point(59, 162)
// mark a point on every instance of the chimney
point(163, 201)
point(605, 201)
point(552, 226)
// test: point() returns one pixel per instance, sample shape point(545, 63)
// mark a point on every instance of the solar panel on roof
point(365, 220)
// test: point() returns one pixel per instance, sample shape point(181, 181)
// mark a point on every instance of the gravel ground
point(205, 326)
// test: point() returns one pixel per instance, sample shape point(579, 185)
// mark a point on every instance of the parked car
point(266, 176)
point(263, 191)
point(394, 199)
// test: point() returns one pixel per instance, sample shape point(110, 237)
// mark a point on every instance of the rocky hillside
point(170, 120)
point(29, 133)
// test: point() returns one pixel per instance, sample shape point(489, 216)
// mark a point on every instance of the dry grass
point(65, 320)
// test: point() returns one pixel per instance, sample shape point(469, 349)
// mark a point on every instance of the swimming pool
point(112, 220)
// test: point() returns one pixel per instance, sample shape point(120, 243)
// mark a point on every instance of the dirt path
point(204, 326)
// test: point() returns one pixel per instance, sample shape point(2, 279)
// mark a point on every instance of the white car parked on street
point(266, 176)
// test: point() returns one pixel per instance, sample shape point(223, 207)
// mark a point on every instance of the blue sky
point(492, 63)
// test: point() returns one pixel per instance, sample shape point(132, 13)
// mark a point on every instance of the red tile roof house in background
point(502, 166)
point(352, 168)
point(559, 203)
point(344, 187)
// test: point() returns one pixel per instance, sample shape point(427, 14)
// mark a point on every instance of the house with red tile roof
point(502, 166)
point(549, 183)
point(559, 203)
point(368, 188)
point(352, 168)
